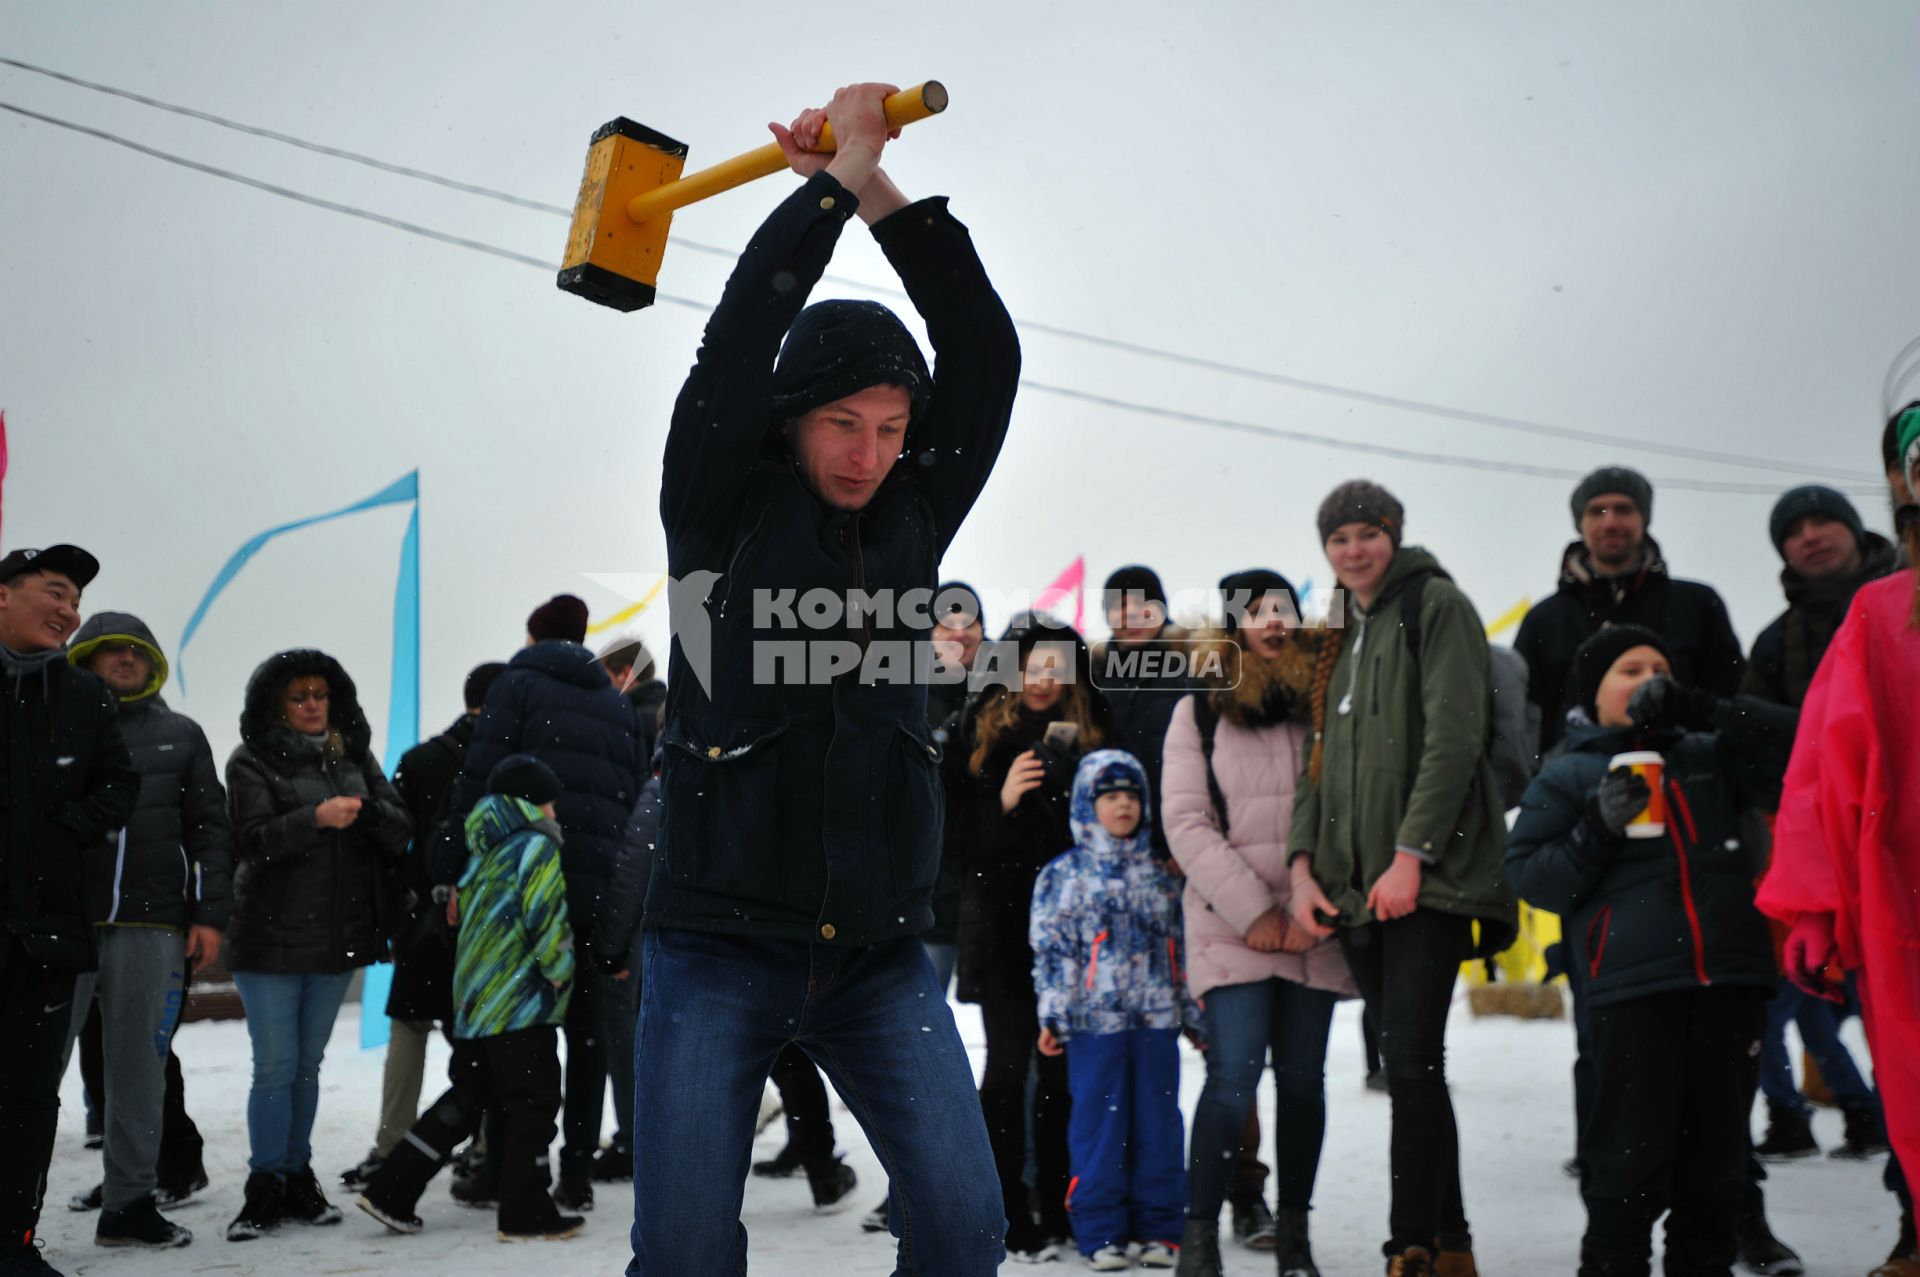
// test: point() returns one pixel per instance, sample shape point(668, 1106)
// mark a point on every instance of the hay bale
point(1522, 1001)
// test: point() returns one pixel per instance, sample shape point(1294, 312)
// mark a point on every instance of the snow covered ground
point(1511, 1087)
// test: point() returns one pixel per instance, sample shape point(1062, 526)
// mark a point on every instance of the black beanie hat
point(561, 617)
point(1628, 483)
point(1812, 498)
point(479, 679)
point(1361, 501)
point(839, 348)
point(948, 602)
point(1240, 591)
point(1597, 655)
point(524, 776)
point(1135, 578)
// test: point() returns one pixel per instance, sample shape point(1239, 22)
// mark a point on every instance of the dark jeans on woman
point(1012, 1027)
point(1405, 970)
point(1246, 1022)
point(1674, 1081)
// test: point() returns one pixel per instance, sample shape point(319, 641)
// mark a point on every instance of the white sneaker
point(1109, 1259)
point(1159, 1255)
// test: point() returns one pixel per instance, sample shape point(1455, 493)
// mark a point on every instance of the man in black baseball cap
point(60, 800)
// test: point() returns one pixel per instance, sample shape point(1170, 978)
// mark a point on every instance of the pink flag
point(1072, 581)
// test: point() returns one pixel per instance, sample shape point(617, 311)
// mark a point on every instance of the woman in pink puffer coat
point(1266, 986)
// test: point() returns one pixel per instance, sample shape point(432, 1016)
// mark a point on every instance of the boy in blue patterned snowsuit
point(1109, 970)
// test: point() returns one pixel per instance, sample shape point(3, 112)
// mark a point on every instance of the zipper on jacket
point(1677, 798)
point(851, 538)
point(1093, 964)
point(746, 542)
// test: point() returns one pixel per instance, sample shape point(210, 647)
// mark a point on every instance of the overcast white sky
point(1686, 224)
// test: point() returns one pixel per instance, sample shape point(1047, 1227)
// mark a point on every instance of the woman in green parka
point(1398, 837)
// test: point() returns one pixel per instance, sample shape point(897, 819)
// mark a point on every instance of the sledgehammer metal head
point(632, 185)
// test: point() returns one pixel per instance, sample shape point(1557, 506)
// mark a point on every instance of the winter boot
point(1157, 1254)
point(1414, 1261)
point(391, 1192)
point(875, 1220)
point(1253, 1222)
point(305, 1203)
point(89, 1200)
point(397, 1218)
point(1293, 1254)
point(542, 1226)
point(23, 1258)
point(1455, 1263)
point(575, 1191)
point(1109, 1259)
point(1865, 1135)
point(1760, 1251)
point(140, 1225)
point(1902, 1261)
point(361, 1173)
point(613, 1164)
point(265, 1207)
point(1199, 1250)
point(832, 1183)
point(781, 1165)
point(1789, 1136)
point(174, 1192)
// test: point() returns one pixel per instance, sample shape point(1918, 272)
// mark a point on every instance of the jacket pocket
point(721, 830)
point(1596, 940)
point(916, 809)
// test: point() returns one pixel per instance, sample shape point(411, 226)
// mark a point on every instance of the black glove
point(1622, 795)
point(1660, 703)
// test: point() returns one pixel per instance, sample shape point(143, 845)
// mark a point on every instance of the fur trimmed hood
point(260, 725)
point(1253, 692)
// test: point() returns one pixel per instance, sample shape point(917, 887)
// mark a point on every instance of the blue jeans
point(714, 1012)
point(1819, 1024)
point(1128, 1181)
point(1244, 1023)
point(289, 1019)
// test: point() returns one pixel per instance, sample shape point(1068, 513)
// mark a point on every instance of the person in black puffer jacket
point(1678, 962)
point(160, 899)
point(318, 834)
point(555, 703)
point(1008, 796)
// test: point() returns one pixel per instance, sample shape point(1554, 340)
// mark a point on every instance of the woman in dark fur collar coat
point(317, 829)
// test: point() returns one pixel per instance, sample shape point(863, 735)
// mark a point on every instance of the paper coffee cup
point(1652, 820)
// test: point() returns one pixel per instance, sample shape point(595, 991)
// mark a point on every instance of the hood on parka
point(103, 628)
point(260, 715)
point(1088, 832)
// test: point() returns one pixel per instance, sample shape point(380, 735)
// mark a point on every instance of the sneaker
point(1109, 1259)
point(265, 1207)
point(575, 1192)
point(875, 1220)
point(781, 1165)
point(553, 1228)
point(476, 1192)
point(1027, 1243)
point(89, 1200)
point(1159, 1254)
point(1253, 1223)
point(305, 1203)
point(1414, 1261)
point(1760, 1251)
point(140, 1225)
point(1865, 1136)
point(23, 1259)
point(613, 1164)
point(359, 1175)
point(166, 1195)
point(1789, 1136)
point(832, 1186)
point(397, 1220)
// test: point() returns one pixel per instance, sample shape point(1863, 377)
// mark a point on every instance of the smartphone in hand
point(1062, 736)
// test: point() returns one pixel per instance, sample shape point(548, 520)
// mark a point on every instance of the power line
point(1107, 401)
point(1519, 425)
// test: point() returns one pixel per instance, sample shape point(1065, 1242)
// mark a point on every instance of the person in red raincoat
point(1845, 875)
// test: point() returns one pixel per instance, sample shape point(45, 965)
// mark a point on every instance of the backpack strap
point(1206, 719)
point(1410, 611)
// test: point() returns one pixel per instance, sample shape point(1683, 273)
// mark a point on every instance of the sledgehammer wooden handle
point(903, 108)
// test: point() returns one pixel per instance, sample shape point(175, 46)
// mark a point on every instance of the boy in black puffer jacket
point(1678, 962)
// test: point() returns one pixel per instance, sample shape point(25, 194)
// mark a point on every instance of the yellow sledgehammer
point(633, 184)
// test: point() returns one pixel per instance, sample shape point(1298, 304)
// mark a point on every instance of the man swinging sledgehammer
point(801, 821)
